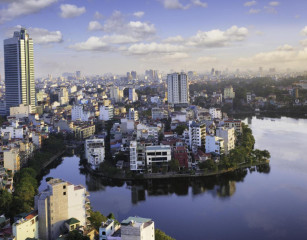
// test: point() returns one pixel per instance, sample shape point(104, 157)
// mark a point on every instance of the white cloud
point(249, 4)
point(274, 4)
point(40, 35)
point(218, 38)
point(138, 14)
point(154, 48)
point(206, 59)
point(141, 29)
point(176, 39)
point(98, 15)
point(174, 4)
point(92, 44)
point(94, 26)
point(285, 47)
point(304, 42)
point(304, 31)
point(20, 8)
point(200, 3)
point(71, 11)
point(254, 11)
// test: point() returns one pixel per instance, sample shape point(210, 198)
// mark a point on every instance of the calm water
point(269, 203)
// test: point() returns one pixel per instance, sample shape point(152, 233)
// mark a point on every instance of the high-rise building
point(177, 88)
point(19, 70)
point(58, 203)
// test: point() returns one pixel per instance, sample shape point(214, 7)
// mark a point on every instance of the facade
point(133, 114)
point(19, 70)
point(236, 124)
point(228, 134)
point(106, 113)
point(107, 229)
point(63, 96)
point(136, 228)
point(116, 94)
point(214, 144)
point(83, 131)
point(229, 93)
point(158, 154)
point(137, 156)
point(11, 158)
point(79, 114)
point(158, 113)
point(12, 132)
point(197, 135)
point(58, 203)
point(94, 151)
point(26, 227)
point(215, 113)
point(177, 88)
point(20, 111)
point(181, 154)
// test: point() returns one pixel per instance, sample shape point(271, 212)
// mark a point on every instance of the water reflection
point(218, 186)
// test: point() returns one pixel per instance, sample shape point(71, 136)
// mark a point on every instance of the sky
point(116, 36)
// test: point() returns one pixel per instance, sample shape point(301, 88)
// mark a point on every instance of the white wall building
point(79, 114)
point(94, 151)
point(215, 113)
point(20, 111)
point(158, 154)
point(137, 157)
point(136, 228)
point(179, 116)
point(197, 135)
point(59, 202)
point(63, 96)
point(228, 134)
point(106, 113)
point(133, 114)
point(214, 144)
point(177, 88)
point(15, 132)
point(229, 93)
point(26, 227)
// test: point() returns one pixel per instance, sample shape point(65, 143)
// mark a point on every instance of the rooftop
point(135, 219)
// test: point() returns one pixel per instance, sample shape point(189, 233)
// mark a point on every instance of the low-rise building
point(228, 134)
point(214, 144)
point(158, 154)
point(215, 113)
point(197, 135)
point(26, 227)
point(136, 228)
point(94, 151)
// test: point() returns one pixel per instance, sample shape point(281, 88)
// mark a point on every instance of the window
point(64, 187)
point(64, 193)
point(103, 233)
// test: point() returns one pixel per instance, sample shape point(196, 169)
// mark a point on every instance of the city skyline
point(119, 36)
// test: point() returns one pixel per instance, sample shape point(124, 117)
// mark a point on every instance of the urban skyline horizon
point(195, 35)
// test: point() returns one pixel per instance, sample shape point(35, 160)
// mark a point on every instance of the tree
point(160, 235)
point(174, 165)
point(180, 129)
point(6, 199)
point(76, 235)
point(96, 218)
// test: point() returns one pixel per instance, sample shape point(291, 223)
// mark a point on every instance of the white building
point(197, 135)
point(158, 113)
point(177, 88)
point(137, 157)
point(11, 158)
point(228, 134)
point(116, 94)
point(214, 144)
point(26, 227)
point(63, 96)
point(126, 125)
point(158, 154)
point(144, 131)
point(136, 228)
point(21, 111)
point(179, 116)
point(133, 97)
point(229, 93)
point(14, 132)
point(107, 229)
point(106, 113)
point(94, 151)
point(215, 113)
point(133, 114)
point(232, 123)
point(59, 202)
point(79, 114)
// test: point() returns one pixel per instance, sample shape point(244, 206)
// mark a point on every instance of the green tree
point(76, 235)
point(6, 199)
point(160, 235)
point(180, 129)
point(96, 218)
point(174, 165)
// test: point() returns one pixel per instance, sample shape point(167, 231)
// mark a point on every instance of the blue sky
point(100, 36)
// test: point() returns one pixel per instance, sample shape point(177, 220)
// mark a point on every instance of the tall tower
point(177, 88)
point(19, 70)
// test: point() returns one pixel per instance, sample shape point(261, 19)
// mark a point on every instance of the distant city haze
point(102, 36)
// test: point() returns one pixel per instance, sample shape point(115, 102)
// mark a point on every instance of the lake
point(268, 203)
